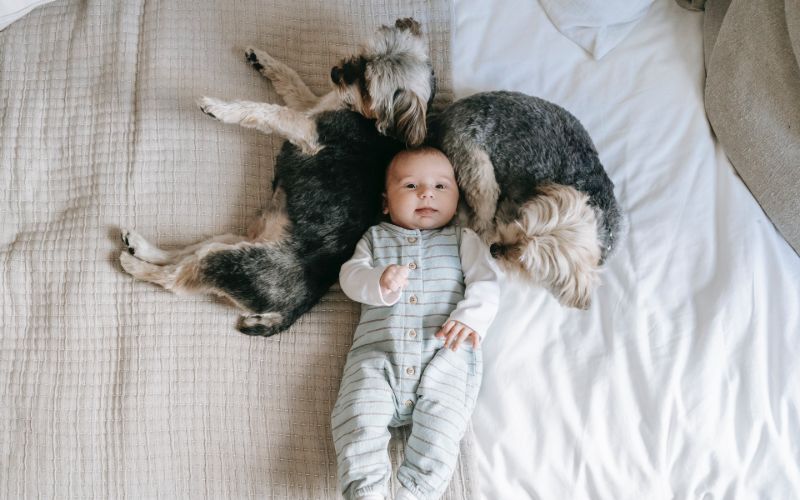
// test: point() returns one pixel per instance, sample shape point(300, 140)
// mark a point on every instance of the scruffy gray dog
point(533, 188)
point(329, 177)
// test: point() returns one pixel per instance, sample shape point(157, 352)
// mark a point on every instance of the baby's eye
point(440, 186)
point(411, 185)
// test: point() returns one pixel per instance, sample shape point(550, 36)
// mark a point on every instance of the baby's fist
point(394, 278)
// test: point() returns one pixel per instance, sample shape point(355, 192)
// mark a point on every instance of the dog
point(533, 188)
point(329, 177)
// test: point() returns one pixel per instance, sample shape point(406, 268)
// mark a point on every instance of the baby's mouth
point(426, 211)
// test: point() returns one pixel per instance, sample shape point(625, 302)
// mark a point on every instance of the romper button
point(412, 333)
point(410, 370)
point(409, 403)
point(412, 239)
point(413, 299)
point(412, 266)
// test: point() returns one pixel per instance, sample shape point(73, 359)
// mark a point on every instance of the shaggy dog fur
point(533, 188)
point(329, 177)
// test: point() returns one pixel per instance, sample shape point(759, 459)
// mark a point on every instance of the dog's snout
point(336, 74)
point(497, 250)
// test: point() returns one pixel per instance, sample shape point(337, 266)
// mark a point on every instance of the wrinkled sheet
point(682, 380)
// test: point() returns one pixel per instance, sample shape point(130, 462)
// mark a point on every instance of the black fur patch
point(253, 59)
point(331, 199)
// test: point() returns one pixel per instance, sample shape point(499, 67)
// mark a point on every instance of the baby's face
point(421, 191)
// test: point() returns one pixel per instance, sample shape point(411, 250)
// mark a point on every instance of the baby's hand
point(455, 332)
point(394, 279)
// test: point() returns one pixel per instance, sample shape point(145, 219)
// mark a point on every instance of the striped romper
point(397, 372)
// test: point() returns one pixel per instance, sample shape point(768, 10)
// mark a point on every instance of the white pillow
point(596, 25)
point(11, 10)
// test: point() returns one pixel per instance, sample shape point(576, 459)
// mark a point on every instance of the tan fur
point(409, 117)
point(273, 223)
point(286, 81)
point(554, 242)
point(475, 175)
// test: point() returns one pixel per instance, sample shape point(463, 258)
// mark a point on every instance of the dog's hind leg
point(475, 175)
point(294, 126)
point(273, 222)
point(138, 246)
point(181, 278)
point(286, 81)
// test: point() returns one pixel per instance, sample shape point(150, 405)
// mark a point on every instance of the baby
point(426, 288)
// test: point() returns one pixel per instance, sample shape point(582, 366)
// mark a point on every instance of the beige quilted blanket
point(111, 388)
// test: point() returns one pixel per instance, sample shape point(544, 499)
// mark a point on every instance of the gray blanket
point(752, 49)
point(113, 388)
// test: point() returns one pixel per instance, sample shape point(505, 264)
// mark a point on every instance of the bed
point(679, 382)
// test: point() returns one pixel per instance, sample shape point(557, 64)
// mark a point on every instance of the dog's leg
point(286, 81)
point(295, 126)
point(181, 278)
point(188, 273)
point(475, 174)
point(142, 249)
point(273, 222)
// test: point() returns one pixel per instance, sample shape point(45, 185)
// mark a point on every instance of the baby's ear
point(385, 205)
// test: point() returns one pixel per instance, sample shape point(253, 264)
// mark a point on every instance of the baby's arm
point(364, 283)
point(476, 311)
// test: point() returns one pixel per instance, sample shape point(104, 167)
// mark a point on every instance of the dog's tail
point(555, 242)
point(269, 280)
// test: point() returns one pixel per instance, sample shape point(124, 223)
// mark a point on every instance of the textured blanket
point(752, 52)
point(114, 388)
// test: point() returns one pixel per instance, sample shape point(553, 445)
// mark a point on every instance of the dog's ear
point(406, 118)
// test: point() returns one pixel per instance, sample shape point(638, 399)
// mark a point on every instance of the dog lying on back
point(328, 182)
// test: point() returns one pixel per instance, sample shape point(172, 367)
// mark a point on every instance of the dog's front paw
point(261, 62)
point(252, 56)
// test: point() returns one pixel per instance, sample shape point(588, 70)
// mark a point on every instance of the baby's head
point(421, 190)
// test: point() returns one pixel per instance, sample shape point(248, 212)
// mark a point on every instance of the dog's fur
point(533, 188)
point(329, 177)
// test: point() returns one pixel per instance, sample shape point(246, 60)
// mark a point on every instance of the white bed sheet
point(681, 381)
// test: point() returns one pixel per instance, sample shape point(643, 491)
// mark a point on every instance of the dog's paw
point(129, 239)
point(262, 62)
point(265, 324)
point(138, 246)
point(129, 263)
point(254, 58)
point(208, 105)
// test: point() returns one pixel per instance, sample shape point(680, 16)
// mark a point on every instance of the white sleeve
point(361, 281)
point(482, 279)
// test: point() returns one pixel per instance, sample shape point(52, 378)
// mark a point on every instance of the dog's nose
point(497, 250)
point(336, 74)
